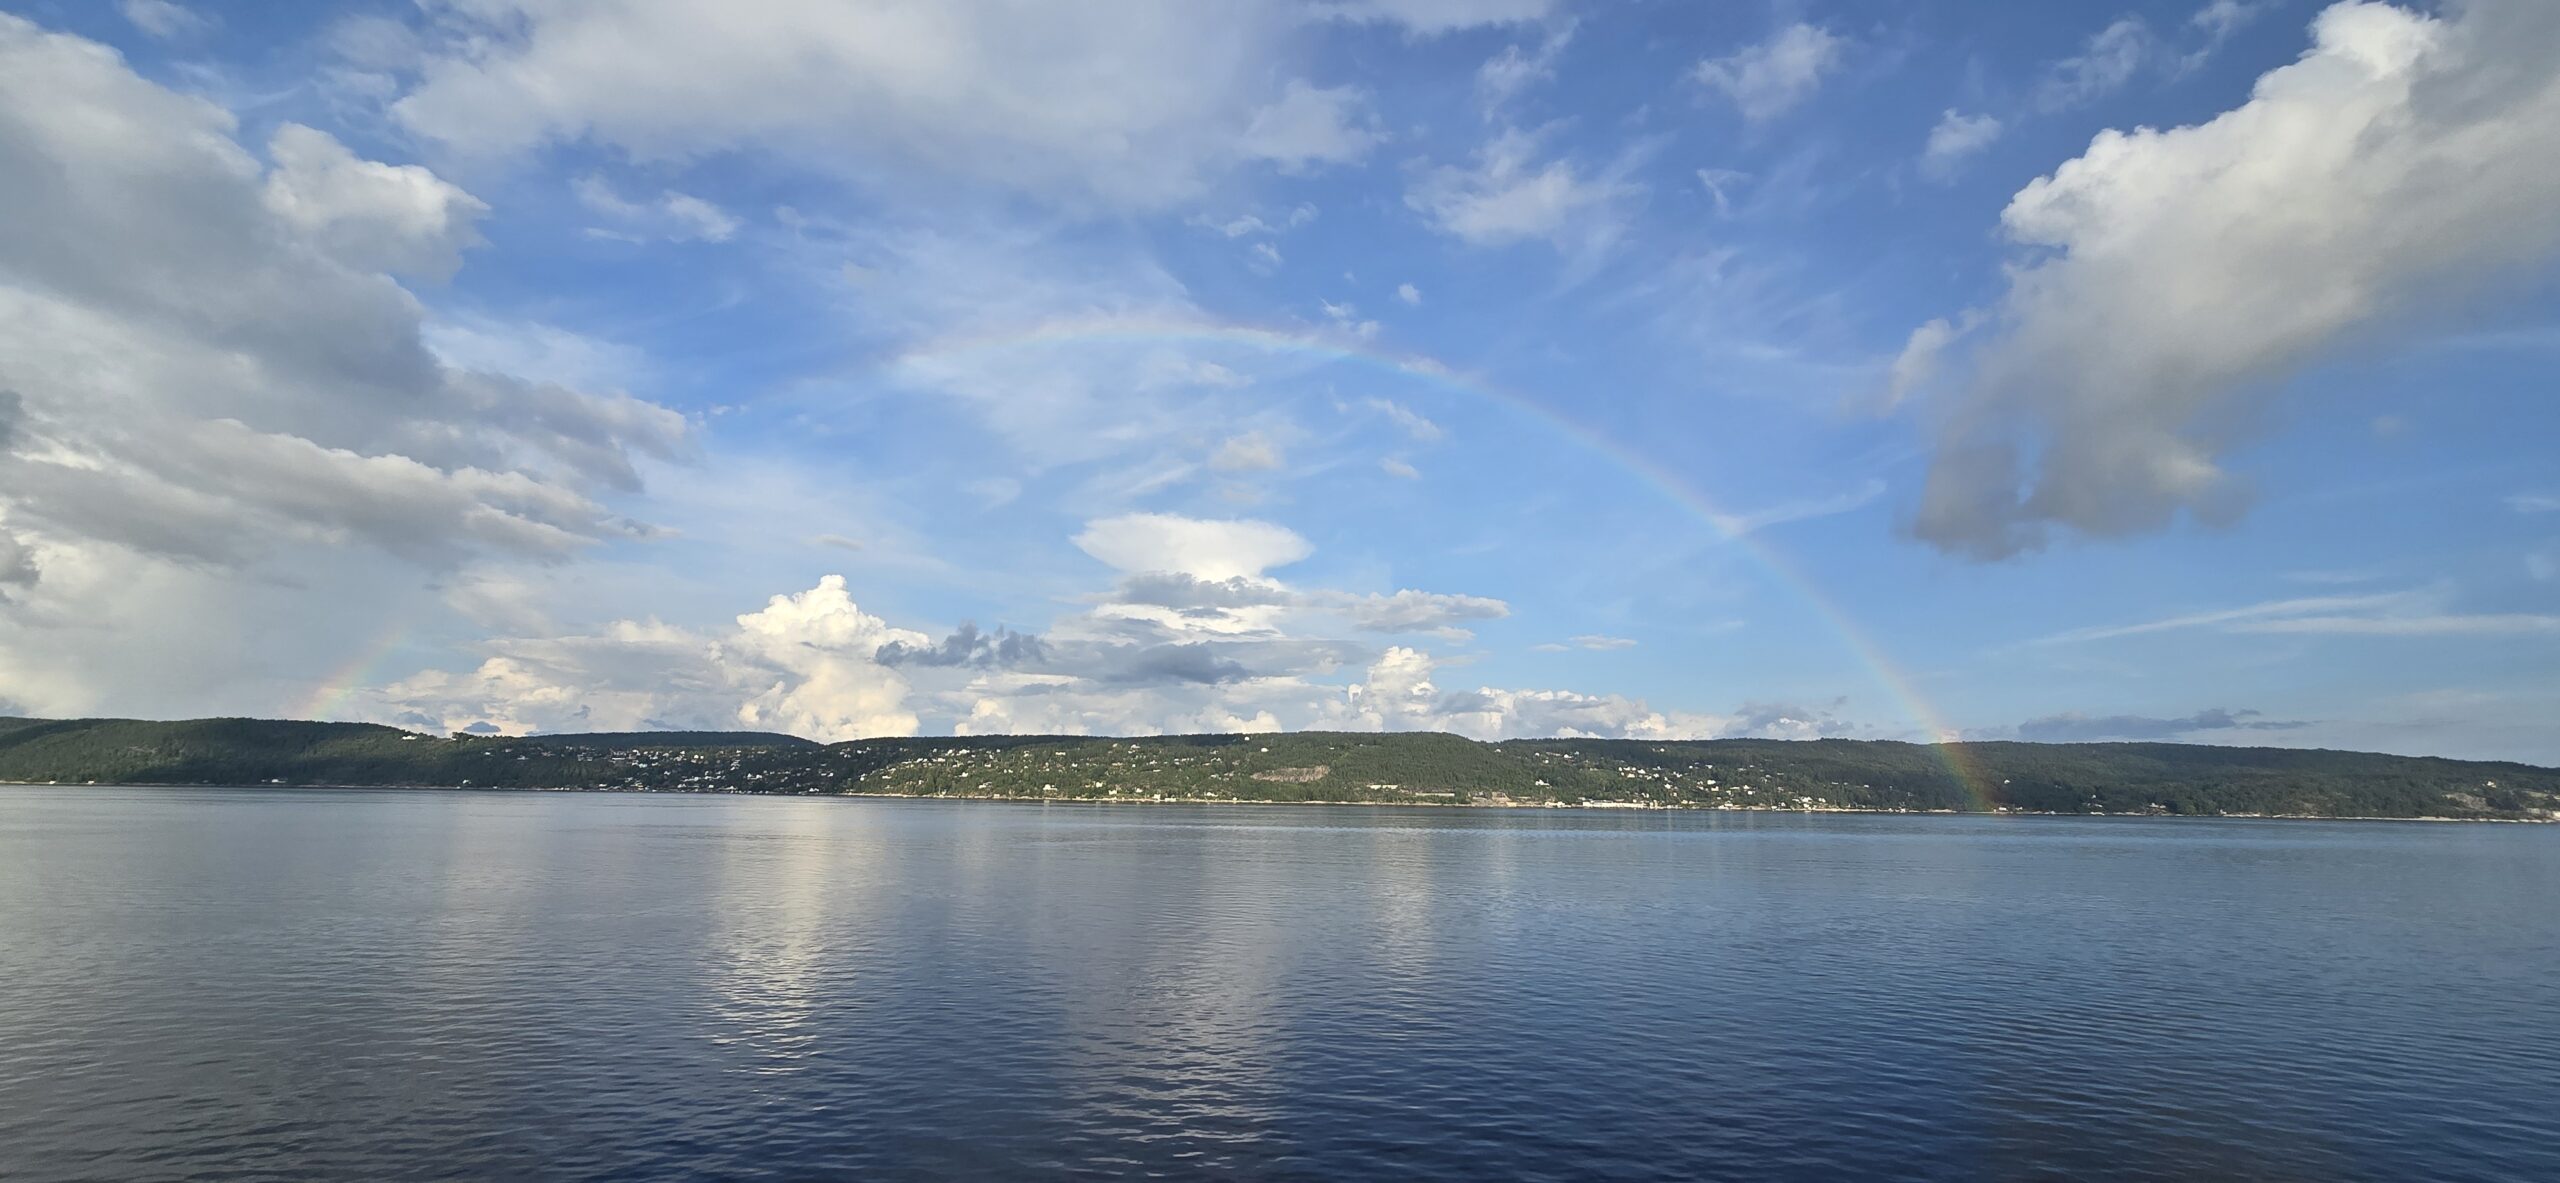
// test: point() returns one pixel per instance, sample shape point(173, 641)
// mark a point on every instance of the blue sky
point(1510, 367)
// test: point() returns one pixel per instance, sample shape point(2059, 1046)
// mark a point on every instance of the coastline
point(1590, 807)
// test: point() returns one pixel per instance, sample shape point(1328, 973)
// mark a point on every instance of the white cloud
point(2111, 58)
point(1137, 104)
point(2220, 617)
point(1073, 390)
point(1345, 318)
point(1509, 194)
point(1597, 641)
point(1716, 181)
point(209, 360)
point(1193, 638)
point(1310, 126)
point(1431, 17)
point(216, 391)
point(674, 216)
point(2219, 19)
point(164, 19)
point(1400, 694)
point(1753, 521)
point(1773, 77)
point(2534, 503)
point(1410, 611)
point(1957, 138)
point(1408, 293)
point(535, 352)
point(807, 664)
point(1504, 76)
point(1399, 469)
point(1410, 421)
point(1204, 549)
point(1247, 224)
point(1917, 364)
point(367, 215)
point(2179, 276)
point(1250, 452)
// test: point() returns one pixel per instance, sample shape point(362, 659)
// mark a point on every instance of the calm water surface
point(302, 984)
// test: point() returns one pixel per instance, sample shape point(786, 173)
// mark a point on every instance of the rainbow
point(1943, 740)
point(350, 676)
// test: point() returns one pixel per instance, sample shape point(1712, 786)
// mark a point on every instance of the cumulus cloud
point(2175, 278)
point(1773, 77)
point(208, 357)
point(2078, 728)
point(367, 215)
point(807, 664)
point(967, 646)
point(1957, 138)
point(224, 409)
point(1400, 694)
point(1221, 648)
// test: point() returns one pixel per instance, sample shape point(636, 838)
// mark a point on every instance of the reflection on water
point(794, 879)
point(302, 984)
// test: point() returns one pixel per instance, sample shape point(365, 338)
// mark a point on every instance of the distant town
point(1404, 768)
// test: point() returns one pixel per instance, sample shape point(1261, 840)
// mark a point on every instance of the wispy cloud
point(2459, 624)
point(1754, 521)
point(1771, 78)
point(2418, 613)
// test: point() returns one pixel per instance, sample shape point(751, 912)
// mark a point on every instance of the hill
point(1400, 767)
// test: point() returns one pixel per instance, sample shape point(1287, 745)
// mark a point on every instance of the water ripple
point(306, 985)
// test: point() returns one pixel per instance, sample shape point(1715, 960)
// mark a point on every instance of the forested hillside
point(1408, 768)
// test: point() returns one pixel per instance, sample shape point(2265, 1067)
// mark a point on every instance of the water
point(377, 984)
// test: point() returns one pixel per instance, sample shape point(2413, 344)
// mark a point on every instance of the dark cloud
point(1190, 594)
point(17, 564)
point(2073, 727)
point(1003, 648)
point(1779, 720)
point(1199, 663)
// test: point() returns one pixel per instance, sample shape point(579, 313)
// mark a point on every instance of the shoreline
point(1605, 807)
